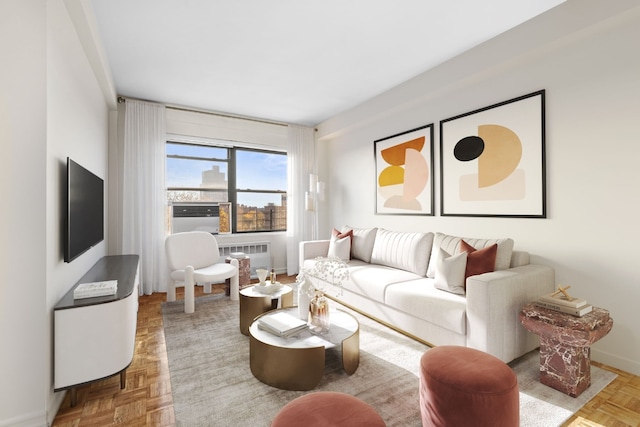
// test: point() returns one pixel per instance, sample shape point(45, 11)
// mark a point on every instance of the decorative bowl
point(268, 287)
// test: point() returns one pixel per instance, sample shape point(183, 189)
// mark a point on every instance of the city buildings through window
point(252, 181)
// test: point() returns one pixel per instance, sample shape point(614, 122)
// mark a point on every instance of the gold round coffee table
point(254, 303)
point(297, 363)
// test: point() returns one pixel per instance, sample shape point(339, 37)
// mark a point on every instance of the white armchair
point(193, 257)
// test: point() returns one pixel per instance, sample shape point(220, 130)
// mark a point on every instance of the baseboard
point(55, 404)
point(627, 365)
point(33, 419)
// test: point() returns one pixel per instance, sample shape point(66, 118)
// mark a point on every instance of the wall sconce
point(309, 206)
point(315, 193)
point(320, 191)
point(311, 199)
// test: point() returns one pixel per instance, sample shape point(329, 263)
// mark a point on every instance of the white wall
point(50, 107)
point(585, 54)
point(24, 354)
point(77, 127)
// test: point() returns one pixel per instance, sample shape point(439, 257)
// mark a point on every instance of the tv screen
point(85, 211)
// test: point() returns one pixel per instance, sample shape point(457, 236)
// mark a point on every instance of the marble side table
point(244, 274)
point(565, 345)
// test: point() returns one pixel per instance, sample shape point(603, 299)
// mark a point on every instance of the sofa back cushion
point(361, 242)
point(403, 250)
point(451, 244)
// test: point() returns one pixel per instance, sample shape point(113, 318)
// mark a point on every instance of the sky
point(255, 170)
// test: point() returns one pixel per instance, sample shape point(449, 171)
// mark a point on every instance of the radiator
point(259, 253)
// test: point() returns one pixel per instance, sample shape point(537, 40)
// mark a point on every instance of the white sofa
point(393, 277)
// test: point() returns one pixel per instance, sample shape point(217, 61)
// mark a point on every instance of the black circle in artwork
point(468, 148)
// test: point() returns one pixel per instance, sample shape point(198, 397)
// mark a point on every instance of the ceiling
point(291, 61)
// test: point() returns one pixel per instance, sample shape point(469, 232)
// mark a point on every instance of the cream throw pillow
point(340, 247)
point(450, 272)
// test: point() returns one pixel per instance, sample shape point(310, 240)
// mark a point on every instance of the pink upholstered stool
point(460, 386)
point(327, 408)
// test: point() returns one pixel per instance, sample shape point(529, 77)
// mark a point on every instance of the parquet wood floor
point(147, 400)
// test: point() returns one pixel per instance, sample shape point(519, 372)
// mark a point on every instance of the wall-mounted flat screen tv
point(85, 211)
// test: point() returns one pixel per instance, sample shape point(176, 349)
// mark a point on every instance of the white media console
point(94, 338)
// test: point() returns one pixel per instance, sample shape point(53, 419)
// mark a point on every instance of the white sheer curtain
point(143, 192)
point(301, 157)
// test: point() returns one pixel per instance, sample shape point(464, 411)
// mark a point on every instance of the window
point(253, 181)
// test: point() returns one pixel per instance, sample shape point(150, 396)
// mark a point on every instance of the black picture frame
point(492, 160)
point(404, 180)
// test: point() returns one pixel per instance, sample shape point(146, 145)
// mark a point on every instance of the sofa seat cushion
point(310, 263)
point(368, 280)
point(404, 250)
point(372, 280)
point(422, 299)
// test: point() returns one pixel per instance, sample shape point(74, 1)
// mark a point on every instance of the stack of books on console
point(95, 289)
point(560, 302)
point(281, 324)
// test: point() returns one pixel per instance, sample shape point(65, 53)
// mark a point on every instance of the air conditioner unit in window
point(195, 217)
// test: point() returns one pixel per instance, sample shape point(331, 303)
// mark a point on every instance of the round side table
point(254, 303)
point(298, 362)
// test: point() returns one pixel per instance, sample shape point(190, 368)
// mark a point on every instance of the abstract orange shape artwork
point(501, 155)
point(396, 155)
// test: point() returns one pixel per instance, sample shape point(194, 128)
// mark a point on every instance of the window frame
point(232, 189)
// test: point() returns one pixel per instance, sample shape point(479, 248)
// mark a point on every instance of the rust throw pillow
point(479, 260)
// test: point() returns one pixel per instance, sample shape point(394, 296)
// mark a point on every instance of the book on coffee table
point(281, 324)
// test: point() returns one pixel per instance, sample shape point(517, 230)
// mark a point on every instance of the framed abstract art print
point(404, 173)
point(492, 160)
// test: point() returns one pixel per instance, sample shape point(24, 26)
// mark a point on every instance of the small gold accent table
point(297, 363)
point(254, 303)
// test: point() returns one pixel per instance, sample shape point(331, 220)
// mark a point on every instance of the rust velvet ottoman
point(327, 408)
point(461, 386)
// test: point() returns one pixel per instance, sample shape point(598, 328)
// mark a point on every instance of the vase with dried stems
point(312, 283)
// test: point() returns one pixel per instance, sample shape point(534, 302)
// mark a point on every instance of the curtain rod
point(122, 99)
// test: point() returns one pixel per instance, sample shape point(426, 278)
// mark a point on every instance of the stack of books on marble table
point(562, 302)
point(281, 324)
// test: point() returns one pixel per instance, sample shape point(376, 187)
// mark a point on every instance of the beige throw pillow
point(340, 247)
point(449, 274)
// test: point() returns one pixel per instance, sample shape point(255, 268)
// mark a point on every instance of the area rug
point(542, 406)
point(212, 384)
